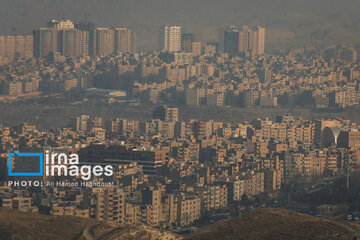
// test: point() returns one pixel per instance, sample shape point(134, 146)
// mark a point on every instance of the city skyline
point(67, 38)
point(66, 25)
point(333, 24)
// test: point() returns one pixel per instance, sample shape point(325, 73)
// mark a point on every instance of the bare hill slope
point(277, 224)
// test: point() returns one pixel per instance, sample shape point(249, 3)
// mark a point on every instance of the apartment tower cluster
point(16, 46)
point(68, 39)
point(237, 40)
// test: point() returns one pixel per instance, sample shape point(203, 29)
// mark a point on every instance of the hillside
point(17, 225)
point(269, 224)
point(28, 226)
point(277, 224)
point(132, 232)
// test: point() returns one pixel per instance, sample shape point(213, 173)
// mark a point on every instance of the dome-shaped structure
point(330, 136)
point(234, 135)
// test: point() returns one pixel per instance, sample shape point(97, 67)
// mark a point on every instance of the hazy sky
point(288, 22)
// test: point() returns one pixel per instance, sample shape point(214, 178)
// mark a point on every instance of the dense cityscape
point(241, 76)
point(170, 172)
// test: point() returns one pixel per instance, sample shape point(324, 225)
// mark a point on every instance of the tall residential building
point(260, 40)
point(152, 197)
point(244, 39)
point(104, 41)
point(231, 41)
point(10, 47)
point(29, 45)
point(171, 114)
point(19, 44)
point(16, 46)
point(186, 42)
point(69, 42)
point(80, 123)
point(170, 39)
point(108, 204)
point(45, 41)
point(188, 209)
point(196, 48)
point(125, 40)
point(84, 43)
point(192, 96)
point(61, 37)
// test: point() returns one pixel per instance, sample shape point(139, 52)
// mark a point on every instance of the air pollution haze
point(179, 119)
point(288, 23)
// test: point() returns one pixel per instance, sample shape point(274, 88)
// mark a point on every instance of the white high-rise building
point(125, 40)
point(105, 41)
point(171, 38)
point(61, 25)
point(260, 38)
